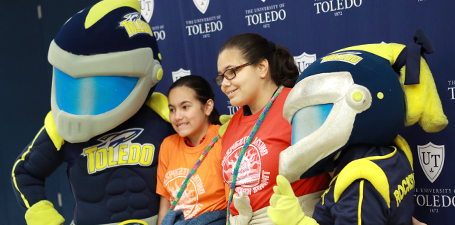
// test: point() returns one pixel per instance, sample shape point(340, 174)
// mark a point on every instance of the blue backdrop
point(190, 34)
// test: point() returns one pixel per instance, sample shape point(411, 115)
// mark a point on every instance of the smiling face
point(188, 116)
point(244, 88)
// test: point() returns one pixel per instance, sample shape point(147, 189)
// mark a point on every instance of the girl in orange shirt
point(196, 121)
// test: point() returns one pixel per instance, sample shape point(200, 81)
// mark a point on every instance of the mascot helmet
point(354, 96)
point(105, 61)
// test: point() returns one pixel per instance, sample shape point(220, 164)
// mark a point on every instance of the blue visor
point(91, 95)
point(308, 120)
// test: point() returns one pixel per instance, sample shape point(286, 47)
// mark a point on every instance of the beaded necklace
point(191, 173)
point(245, 146)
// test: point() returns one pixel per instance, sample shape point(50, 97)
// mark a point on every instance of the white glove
point(242, 204)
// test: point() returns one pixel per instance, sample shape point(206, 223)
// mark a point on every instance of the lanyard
point(245, 146)
point(198, 163)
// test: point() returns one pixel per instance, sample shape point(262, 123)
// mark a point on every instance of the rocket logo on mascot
point(106, 123)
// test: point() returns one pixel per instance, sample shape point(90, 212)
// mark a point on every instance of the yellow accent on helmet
point(357, 96)
point(102, 8)
point(159, 74)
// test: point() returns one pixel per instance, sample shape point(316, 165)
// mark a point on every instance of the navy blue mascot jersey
point(112, 176)
point(372, 185)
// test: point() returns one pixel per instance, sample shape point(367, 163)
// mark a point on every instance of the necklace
point(245, 146)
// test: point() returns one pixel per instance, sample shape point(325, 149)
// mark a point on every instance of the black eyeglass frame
point(219, 79)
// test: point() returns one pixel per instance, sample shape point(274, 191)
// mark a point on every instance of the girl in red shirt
point(257, 75)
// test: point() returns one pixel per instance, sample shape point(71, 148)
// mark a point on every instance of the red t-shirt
point(259, 167)
point(205, 190)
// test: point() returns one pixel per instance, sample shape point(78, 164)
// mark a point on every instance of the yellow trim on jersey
point(102, 8)
point(51, 130)
point(159, 103)
point(390, 155)
point(401, 143)
point(359, 216)
point(328, 189)
point(14, 168)
point(362, 169)
point(133, 221)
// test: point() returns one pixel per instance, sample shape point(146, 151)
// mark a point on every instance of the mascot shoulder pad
point(362, 169)
point(401, 144)
point(51, 130)
point(159, 103)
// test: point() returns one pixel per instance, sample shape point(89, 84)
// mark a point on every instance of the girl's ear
point(263, 68)
point(209, 107)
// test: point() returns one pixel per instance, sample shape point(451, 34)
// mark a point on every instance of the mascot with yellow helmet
point(105, 122)
point(346, 110)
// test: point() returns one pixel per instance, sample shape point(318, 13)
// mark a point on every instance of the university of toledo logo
point(180, 73)
point(117, 149)
point(147, 9)
point(304, 60)
point(202, 5)
point(134, 25)
point(431, 158)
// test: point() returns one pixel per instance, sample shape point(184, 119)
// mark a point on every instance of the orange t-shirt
point(205, 190)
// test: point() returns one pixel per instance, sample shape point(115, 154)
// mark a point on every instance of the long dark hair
point(255, 48)
point(203, 92)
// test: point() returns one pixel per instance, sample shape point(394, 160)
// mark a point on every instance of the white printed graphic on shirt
point(251, 178)
point(188, 202)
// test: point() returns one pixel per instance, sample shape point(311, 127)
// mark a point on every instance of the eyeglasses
point(229, 73)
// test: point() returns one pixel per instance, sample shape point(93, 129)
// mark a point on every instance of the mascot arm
point(37, 161)
point(285, 207)
point(360, 203)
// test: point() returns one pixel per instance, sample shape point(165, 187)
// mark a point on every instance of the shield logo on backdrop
point(202, 5)
point(147, 9)
point(431, 158)
point(304, 60)
point(180, 73)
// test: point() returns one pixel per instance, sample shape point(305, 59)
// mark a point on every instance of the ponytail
point(255, 48)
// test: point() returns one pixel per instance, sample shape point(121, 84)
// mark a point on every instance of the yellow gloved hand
point(224, 119)
point(285, 206)
point(43, 213)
